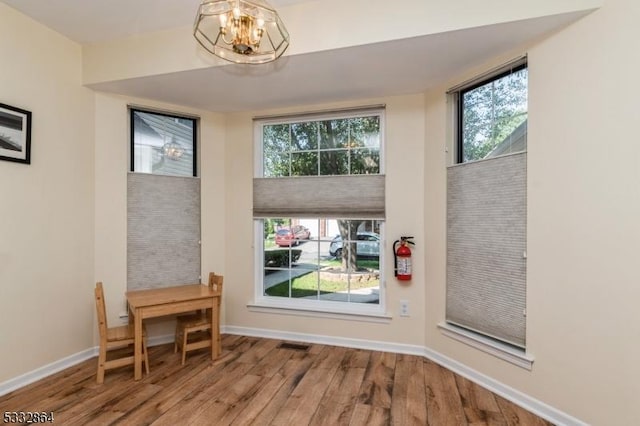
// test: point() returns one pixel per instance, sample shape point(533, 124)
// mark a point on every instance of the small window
point(492, 116)
point(163, 144)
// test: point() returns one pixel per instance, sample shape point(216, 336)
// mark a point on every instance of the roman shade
point(163, 230)
point(352, 196)
point(486, 247)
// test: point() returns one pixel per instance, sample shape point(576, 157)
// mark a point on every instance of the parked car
point(301, 232)
point(367, 245)
point(286, 237)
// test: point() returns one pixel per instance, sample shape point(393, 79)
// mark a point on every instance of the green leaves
point(322, 147)
point(491, 113)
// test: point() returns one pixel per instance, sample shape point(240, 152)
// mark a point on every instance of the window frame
point(193, 119)
point(459, 93)
point(316, 307)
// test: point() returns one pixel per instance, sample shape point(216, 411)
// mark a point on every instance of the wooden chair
point(198, 326)
point(113, 338)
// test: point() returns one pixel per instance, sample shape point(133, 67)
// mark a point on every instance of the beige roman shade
point(486, 245)
point(163, 230)
point(353, 196)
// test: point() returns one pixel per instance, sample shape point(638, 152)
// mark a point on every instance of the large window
point(319, 210)
point(486, 207)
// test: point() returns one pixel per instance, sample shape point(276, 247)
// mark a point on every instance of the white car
point(367, 245)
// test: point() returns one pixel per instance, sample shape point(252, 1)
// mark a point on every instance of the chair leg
point(184, 346)
point(176, 338)
point(102, 359)
point(217, 333)
point(146, 355)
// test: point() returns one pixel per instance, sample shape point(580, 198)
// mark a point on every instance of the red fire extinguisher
point(402, 258)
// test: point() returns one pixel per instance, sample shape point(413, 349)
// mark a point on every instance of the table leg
point(215, 326)
point(219, 339)
point(137, 356)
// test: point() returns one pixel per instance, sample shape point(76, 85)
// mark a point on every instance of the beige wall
point(69, 206)
point(46, 208)
point(404, 150)
point(111, 167)
point(583, 231)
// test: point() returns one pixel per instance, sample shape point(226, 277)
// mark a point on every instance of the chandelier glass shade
point(241, 31)
point(172, 150)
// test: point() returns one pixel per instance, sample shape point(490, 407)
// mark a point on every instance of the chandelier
point(172, 150)
point(241, 31)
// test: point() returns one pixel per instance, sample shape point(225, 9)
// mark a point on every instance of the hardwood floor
point(261, 382)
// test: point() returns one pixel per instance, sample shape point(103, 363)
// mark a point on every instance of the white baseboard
point(530, 404)
point(327, 340)
point(533, 405)
point(47, 370)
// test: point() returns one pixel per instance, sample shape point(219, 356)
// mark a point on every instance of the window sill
point(490, 346)
point(318, 312)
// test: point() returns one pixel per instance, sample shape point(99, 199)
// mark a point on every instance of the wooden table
point(159, 302)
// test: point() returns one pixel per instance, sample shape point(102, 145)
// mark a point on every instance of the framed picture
point(15, 134)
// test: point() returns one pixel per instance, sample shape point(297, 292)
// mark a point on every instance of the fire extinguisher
point(402, 258)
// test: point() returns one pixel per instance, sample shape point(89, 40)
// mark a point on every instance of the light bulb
point(260, 22)
point(223, 20)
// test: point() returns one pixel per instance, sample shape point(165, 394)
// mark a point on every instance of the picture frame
point(15, 134)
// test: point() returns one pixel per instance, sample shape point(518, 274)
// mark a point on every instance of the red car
point(286, 237)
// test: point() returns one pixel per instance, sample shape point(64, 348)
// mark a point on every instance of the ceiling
point(92, 21)
point(396, 67)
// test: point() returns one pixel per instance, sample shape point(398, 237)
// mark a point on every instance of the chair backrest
point(215, 282)
point(101, 310)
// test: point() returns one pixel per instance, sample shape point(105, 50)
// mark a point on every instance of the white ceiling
point(382, 69)
point(91, 21)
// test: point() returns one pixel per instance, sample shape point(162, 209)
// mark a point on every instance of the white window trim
point(274, 307)
point(493, 347)
point(346, 310)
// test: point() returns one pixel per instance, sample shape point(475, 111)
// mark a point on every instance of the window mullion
point(318, 150)
point(290, 152)
point(349, 143)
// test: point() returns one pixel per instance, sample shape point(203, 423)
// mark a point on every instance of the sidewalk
point(276, 277)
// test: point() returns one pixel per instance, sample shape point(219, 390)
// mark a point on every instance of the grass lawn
point(360, 263)
point(307, 285)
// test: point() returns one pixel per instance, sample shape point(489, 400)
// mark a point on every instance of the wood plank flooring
point(257, 382)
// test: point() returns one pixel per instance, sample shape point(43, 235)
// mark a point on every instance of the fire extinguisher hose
point(395, 258)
